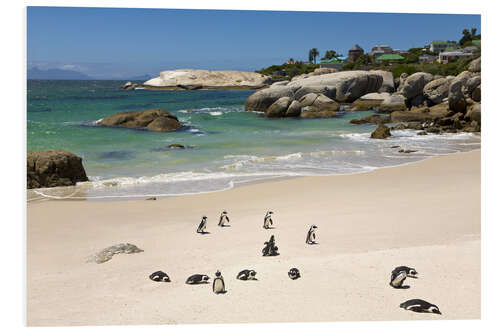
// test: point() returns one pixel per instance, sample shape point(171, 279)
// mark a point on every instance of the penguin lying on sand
point(293, 273)
point(159, 276)
point(270, 248)
point(268, 221)
point(202, 226)
point(197, 279)
point(419, 305)
point(218, 285)
point(399, 275)
point(247, 274)
point(311, 235)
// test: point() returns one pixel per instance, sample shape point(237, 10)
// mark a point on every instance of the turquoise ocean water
point(228, 146)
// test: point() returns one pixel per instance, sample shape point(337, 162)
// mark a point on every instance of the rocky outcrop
point(262, 99)
point(474, 113)
point(388, 81)
point(108, 253)
point(129, 86)
point(396, 102)
point(420, 114)
point(318, 106)
point(279, 108)
point(338, 87)
point(382, 132)
point(414, 84)
point(51, 168)
point(189, 78)
point(476, 94)
point(156, 120)
point(472, 84)
point(475, 65)
point(437, 90)
point(371, 119)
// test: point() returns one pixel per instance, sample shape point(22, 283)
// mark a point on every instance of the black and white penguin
point(311, 235)
point(419, 305)
point(268, 221)
point(160, 276)
point(247, 274)
point(202, 226)
point(399, 275)
point(218, 285)
point(223, 219)
point(293, 273)
point(197, 279)
point(270, 249)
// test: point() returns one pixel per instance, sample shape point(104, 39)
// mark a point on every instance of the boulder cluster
point(315, 96)
point(156, 120)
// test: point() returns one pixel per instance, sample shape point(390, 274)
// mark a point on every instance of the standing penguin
point(223, 219)
point(270, 248)
point(218, 285)
point(267, 220)
point(311, 235)
point(202, 226)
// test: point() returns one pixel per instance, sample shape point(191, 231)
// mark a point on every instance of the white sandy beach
point(425, 215)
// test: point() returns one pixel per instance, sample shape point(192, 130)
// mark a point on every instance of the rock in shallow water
point(382, 132)
point(51, 168)
point(157, 120)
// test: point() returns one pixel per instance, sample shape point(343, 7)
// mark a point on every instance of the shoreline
point(140, 197)
point(424, 215)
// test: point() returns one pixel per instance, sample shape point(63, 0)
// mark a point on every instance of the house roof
point(356, 48)
point(438, 42)
point(390, 57)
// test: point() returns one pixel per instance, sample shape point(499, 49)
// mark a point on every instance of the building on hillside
point(426, 58)
point(441, 45)
point(389, 57)
point(336, 63)
point(355, 52)
point(378, 50)
point(445, 57)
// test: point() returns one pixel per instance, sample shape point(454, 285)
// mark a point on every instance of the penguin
point(218, 285)
point(268, 221)
point(311, 235)
point(197, 279)
point(160, 276)
point(399, 275)
point(223, 219)
point(419, 305)
point(247, 274)
point(293, 273)
point(270, 248)
point(202, 226)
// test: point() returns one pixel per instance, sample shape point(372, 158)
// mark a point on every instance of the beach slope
point(424, 215)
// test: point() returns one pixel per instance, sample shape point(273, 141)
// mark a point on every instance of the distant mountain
point(56, 74)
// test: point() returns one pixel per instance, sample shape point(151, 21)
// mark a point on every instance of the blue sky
point(120, 42)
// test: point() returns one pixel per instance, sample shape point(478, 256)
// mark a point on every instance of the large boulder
point(475, 65)
point(157, 120)
point(456, 97)
point(399, 82)
point(382, 132)
point(318, 106)
point(262, 99)
point(279, 108)
point(207, 79)
point(294, 109)
point(420, 114)
point(396, 102)
point(388, 81)
point(476, 94)
point(51, 168)
point(415, 83)
point(472, 84)
point(474, 113)
point(437, 90)
point(348, 86)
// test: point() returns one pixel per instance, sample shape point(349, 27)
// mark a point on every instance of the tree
point(330, 54)
point(313, 53)
point(468, 36)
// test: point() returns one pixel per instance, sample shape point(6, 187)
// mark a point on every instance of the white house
point(445, 57)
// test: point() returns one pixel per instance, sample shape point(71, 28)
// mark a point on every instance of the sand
point(425, 215)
